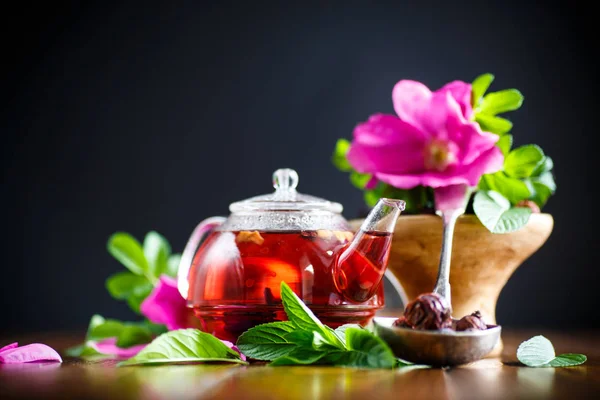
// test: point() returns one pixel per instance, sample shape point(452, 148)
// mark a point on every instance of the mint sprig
point(305, 340)
point(539, 352)
point(184, 345)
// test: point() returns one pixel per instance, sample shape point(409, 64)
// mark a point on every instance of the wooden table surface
point(494, 378)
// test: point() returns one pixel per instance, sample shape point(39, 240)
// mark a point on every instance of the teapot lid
point(285, 197)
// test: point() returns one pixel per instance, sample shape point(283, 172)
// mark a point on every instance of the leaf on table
point(536, 351)
point(567, 360)
point(185, 345)
point(267, 341)
point(364, 350)
point(303, 318)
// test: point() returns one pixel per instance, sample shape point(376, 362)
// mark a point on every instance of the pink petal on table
point(235, 348)
point(30, 353)
point(109, 346)
point(10, 346)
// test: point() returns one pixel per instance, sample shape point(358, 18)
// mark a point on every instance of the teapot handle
point(187, 257)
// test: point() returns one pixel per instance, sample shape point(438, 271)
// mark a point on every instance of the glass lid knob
point(285, 179)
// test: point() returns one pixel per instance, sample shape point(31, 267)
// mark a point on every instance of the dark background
point(137, 117)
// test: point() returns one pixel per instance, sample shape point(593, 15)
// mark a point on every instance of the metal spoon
point(443, 347)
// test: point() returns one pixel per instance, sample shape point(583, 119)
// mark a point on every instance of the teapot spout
point(359, 266)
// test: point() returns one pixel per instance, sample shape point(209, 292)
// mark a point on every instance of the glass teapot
point(232, 279)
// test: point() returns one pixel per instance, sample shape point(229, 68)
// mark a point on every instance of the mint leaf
point(504, 144)
point(567, 360)
point(124, 284)
point(83, 350)
point(495, 212)
point(184, 345)
point(479, 86)
point(268, 341)
point(339, 155)
point(359, 180)
point(109, 328)
point(536, 351)
point(490, 123)
point(501, 102)
point(513, 189)
point(173, 265)
point(303, 318)
point(128, 251)
point(523, 161)
point(364, 350)
point(156, 250)
point(132, 335)
point(300, 356)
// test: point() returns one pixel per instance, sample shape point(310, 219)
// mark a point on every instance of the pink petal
point(471, 140)
point(385, 143)
point(10, 346)
point(461, 92)
point(234, 347)
point(411, 99)
point(164, 305)
point(30, 353)
point(488, 162)
point(109, 346)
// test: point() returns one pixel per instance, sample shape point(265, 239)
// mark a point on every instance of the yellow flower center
point(437, 155)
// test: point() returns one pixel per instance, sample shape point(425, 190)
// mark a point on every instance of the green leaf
point(267, 341)
point(543, 187)
point(300, 356)
point(123, 284)
point(490, 123)
point(479, 86)
point(173, 265)
point(536, 351)
point(339, 155)
point(544, 166)
point(303, 318)
point(128, 252)
point(359, 180)
point(365, 350)
point(495, 212)
point(567, 360)
point(504, 144)
point(109, 328)
point(513, 189)
point(184, 345)
point(500, 102)
point(132, 335)
point(156, 250)
point(83, 350)
point(523, 161)
point(138, 296)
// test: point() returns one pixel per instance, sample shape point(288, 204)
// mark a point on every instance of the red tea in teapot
point(235, 277)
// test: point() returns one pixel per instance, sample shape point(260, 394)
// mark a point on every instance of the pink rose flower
point(13, 354)
point(164, 305)
point(432, 142)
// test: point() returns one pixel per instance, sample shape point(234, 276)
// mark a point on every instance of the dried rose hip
point(471, 322)
point(402, 323)
point(429, 311)
point(529, 204)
